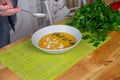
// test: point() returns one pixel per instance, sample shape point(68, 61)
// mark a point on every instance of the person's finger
point(12, 11)
point(9, 12)
point(9, 2)
point(4, 7)
point(2, 2)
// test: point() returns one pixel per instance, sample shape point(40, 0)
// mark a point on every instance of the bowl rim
point(57, 49)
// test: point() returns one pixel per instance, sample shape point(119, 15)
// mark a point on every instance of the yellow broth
point(57, 40)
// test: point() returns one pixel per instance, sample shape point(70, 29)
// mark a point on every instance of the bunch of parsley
point(96, 19)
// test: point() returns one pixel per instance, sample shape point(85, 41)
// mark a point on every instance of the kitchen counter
point(101, 64)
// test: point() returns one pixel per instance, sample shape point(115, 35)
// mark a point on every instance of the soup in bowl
point(56, 39)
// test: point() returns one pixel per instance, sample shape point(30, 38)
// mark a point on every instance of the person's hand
point(6, 8)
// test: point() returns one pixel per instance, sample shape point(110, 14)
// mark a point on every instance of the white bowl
point(56, 28)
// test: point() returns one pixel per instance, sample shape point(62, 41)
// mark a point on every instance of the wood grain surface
point(102, 64)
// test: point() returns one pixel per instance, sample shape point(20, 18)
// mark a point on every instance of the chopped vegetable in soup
point(57, 40)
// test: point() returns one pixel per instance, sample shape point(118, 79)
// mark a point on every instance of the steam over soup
point(57, 40)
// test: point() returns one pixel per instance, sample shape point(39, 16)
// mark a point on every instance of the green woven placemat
point(30, 63)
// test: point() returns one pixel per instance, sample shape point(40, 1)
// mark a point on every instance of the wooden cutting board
point(102, 64)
